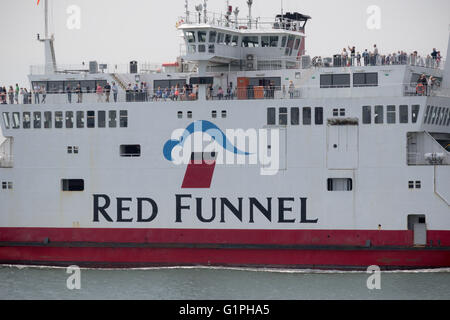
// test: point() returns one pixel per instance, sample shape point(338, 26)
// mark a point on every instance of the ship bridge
point(220, 40)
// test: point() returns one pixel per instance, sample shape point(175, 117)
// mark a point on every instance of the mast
point(250, 4)
point(50, 58)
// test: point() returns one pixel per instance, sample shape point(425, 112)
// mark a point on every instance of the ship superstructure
point(350, 167)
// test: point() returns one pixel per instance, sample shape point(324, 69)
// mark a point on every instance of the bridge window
point(112, 119)
point(124, 119)
point(58, 119)
point(271, 116)
point(192, 48)
point(90, 119)
point(221, 38)
point(75, 185)
point(391, 114)
point(202, 36)
point(250, 42)
point(297, 44)
point(130, 151)
point(228, 39)
point(283, 117)
point(47, 120)
point(201, 48)
point(16, 120)
point(307, 116)
point(404, 114)
point(190, 37)
point(102, 119)
point(340, 184)
point(318, 116)
point(6, 120)
point(283, 41)
point(37, 123)
point(379, 115)
point(290, 46)
point(365, 79)
point(80, 119)
point(415, 113)
point(295, 116)
point(27, 120)
point(235, 41)
point(335, 81)
point(212, 36)
point(367, 114)
point(69, 119)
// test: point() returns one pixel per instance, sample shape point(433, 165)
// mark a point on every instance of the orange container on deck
point(258, 92)
point(242, 88)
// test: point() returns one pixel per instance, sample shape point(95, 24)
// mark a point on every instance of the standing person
point(16, 97)
point(22, 93)
point(99, 93)
point(430, 85)
point(36, 90)
point(284, 91)
point(115, 91)
point(44, 94)
point(2, 96)
point(352, 54)
point(375, 52)
point(358, 59)
point(69, 94)
point(366, 57)
point(344, 57)
point(11, 95)
point(291, 90)
point(79, 94)
point(107, 91)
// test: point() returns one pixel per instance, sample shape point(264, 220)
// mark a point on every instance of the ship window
point(290, 46)
point(201, 48)
point(431, 115)
point(37, 123)
point(415, 113)
point(191, 48)
point(235, 41)
point(335, 112)
point(367, 114)
point(72, 149)
point(379, 115)
point(271, 116)
point(189, 114)
point(55, 87)
point(283, 41)
point(212, 36)
point(113, 119)
point(211, 48)
point(6, 120)
point(447, 115)
point(335, 81)
point(418, 185)
point(391, 114)
point(90, 119)
point(69, 150)
point(69, 119)
point(340, 184)
point(180, 114)
point(47, 120)
point(411, 184)
point(202, 36)
point(214, 114)
point(307, 116)
point(342, 112)
point(283, 117)
point(102, 119)
point(80, 119)
point(297, 44)
point(427, 114)
point(250, 42)
point(16, 120)
point(130, 151)
point(220, 38)
point(448, 120)
point(365, 79)
point(224, 114)
point(318, 116)
point(295, 116)
point(73, 185)
point(265, 42)
point(228, 39)
point(124, 119)
point(58, 119)
point(190, 37)
point(404, 114)
point(4, 185)
point(26, 120)
point(439, 116)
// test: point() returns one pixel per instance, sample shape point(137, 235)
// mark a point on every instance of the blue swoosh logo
point(205, 127)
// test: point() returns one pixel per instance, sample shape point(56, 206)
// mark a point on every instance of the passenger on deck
point(220, 93)
point(44, 94)
point(11, 95)
point(115, 91)
point(36, 90)
point(107, 91)
point(16, 97)
point(79, 94)
point(69, 94)
point(99, 93)
point(291, 90)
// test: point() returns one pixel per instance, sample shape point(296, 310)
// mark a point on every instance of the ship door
point(418, 224)
point(343, 145)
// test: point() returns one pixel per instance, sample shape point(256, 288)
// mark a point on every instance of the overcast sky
point(117, 32)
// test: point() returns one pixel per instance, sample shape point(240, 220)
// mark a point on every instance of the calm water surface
point(220, 283)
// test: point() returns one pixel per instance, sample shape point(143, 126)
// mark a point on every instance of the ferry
point(244, 152)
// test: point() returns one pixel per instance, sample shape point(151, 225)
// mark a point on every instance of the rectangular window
point(90, 119)
point(69, 150)
point(342, 112)
point(75, 185)
point(37, 120)
point(335, 81)
point(379, 115)
point(6, 120)
point(271, 116)
point(16, 120)
point(365, 79)
point(27, 120)
point(297, 44)
point(190, 36)
point(80, 119)
point(212, 36)
point(295, 116)
point(47, 120)
point(202, 36)
point(130, 151)
point(213, 114)
point(391, 114)
point(228, 39)
point(427, 114)
point(224, 114)
point(124, 119)
point(235, 41)
point(340, 184)
point(250, 42)
point(418, 185)
point(189, 115)
point(307, 116)
point(411, 184)
point(102, 119)
point(58, 119)
point(367, 114)
point(283, 41)
point(404, 114)
point(112, 119)
point(326, 81)
point(431, 115)
point(69, 119)
point(319, 116)
point(283, 119)
point(4, 185)
point(335, 112)
point(415, 113)
point(439, 116)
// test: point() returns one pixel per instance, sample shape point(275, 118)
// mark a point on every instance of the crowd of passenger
point(351, 57)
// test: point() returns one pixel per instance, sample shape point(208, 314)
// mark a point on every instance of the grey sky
point(144, 30)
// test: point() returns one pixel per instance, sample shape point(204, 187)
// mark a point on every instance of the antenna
point(236, 14)
point(187, 10)
point(282, 9)
point(46, 18)
point(205, 12)
point(250, 4)
point(199, 9)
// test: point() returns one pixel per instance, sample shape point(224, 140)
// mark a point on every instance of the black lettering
point(121, 209)
point(102, 210)
point(304, 219)
point(266, 212)
point(199, 211)
point(180, 207)
point(224, 202)
point(282, 209)
point(140, 206)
